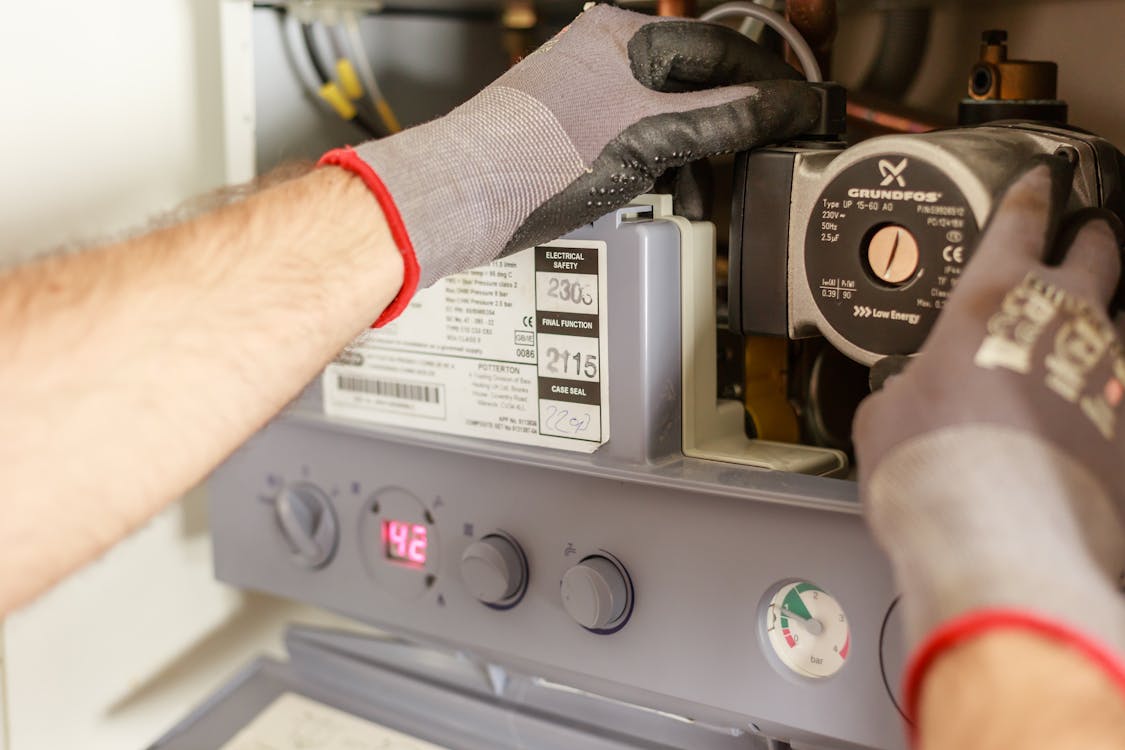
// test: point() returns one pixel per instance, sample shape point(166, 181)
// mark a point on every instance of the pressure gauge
point(808, 630)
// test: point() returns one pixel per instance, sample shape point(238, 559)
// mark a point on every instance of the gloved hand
point(991, 468)
point(581, 126)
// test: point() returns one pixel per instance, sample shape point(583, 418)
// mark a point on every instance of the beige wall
point(1085, 37)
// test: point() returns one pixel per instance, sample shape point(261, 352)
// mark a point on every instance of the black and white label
point(512, 351)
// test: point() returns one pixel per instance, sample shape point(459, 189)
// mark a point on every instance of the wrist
point(984, 623)
point(1033, 532)
point(388, 226)
point(1005, 681)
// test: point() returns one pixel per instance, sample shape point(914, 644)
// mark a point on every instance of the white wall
point(113, 112)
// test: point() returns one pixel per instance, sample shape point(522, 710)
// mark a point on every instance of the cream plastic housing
point(713, 428)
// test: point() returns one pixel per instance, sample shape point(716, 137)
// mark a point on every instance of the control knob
point(597, 593)
point(304, 515)
point(494, 570)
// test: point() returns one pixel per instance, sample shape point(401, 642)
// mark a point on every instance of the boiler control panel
point(696, 584)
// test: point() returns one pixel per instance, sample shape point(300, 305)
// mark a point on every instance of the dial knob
point(596, 593)
point(892, 254)
point(304, 515)
point(494, 569)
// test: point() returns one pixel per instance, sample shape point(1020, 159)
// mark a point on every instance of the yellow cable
point(387, 115)
point(349, 79)
point(766, 396)
point(332, 94)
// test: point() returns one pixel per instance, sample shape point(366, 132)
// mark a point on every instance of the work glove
point(991, 469)
point(580, 127)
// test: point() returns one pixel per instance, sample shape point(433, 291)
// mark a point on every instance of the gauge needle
point(813, 626)
point(891, 257)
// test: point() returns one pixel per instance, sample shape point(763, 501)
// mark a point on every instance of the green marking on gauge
point(794, 604)
point(811, 646)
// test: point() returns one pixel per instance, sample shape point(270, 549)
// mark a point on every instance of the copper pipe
point(887, 120)
point(677, 8)
point(817, 21)
point(867, 112)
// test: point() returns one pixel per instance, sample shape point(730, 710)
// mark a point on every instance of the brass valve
point(995, 77)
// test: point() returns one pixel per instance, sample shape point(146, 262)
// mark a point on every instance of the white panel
point(113, 113)
point(116, 112)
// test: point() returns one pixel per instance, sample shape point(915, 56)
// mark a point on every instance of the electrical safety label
point(512, 351)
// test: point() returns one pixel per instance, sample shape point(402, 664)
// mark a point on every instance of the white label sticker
point(512, 351)
point(294, 722)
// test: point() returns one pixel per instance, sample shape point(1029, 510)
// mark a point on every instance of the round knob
point(892, 254)
point(493, 569)
point(595, 593)
point(304, 515)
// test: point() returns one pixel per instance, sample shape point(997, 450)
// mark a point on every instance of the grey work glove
point(992, 468)
point(581, 126)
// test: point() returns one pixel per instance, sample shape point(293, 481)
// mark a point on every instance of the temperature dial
point(598, 594)
point(304, 515)
point(808, 630)
point(494, 570)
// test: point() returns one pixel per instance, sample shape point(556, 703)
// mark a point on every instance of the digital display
point(405, 543)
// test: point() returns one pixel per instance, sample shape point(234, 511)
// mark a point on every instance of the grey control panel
point(717, 592)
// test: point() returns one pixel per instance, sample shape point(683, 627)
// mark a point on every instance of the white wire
point(752, 27)
point(355, 41)
point(301, 64)
point(777, 22)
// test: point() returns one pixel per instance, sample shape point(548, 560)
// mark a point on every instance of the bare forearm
point(1007, 690)
point(128, 372)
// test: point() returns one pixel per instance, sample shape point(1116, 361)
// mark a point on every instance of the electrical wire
point(331, 93)
point(777, 22)
point(353, 40)
point(752, 27)
point(308, 33)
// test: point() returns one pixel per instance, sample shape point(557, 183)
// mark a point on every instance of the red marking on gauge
point(789, 638)
point(846, 648)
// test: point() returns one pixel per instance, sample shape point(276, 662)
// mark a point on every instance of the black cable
point(360, 120)
point(902, 49)
point(310, 45)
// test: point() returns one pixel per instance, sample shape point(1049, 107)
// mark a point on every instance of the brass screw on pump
point(996, 77)
point(1003, 89)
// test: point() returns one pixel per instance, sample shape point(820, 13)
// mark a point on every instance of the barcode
point(406, 391)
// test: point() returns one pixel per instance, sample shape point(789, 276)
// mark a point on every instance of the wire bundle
point(343, 86)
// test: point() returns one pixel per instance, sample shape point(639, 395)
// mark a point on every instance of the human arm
point(1014, 689)
point(129, 371)
point(990, 474)
point(132, 370)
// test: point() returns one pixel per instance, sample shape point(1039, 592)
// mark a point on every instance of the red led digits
point(405, 543)
point(416, 549)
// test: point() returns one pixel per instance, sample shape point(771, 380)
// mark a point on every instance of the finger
point(1091, 265)
point(678, 56)
point(694, 125)
point(1026, 216)
point(677, 129)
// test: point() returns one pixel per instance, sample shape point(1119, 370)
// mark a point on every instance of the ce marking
point(953, 254)
point(529, 321)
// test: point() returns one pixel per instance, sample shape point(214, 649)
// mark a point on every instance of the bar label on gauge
point(513, 351)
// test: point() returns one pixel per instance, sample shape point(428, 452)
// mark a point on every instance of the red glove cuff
point(980, 622)
point(347, 158)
